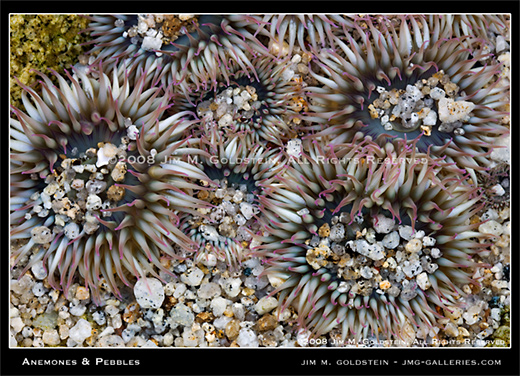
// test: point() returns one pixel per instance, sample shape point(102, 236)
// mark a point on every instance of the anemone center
point(432, 104)
point(233, 215)
point(372, 255)
point(238, 102)
point(80, 192)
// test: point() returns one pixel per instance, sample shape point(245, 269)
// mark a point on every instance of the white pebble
point(39, 271)
point(382, 224)
point(17, 324)
point(391, 240)
point(294, 148)
point(219, 305)
point(406, 232)
point(247, 338)
point(193, 277)
point(208, 290)
point(423, 281)
point(149, 292)
point(451, 111)
point(231, 286)
point(81, 331)
point(266, 304)
point(491, 227)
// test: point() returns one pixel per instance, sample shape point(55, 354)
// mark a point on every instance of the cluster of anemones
point(171, 144)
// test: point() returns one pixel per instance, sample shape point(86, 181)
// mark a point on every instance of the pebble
point(231, 286)
point(39, 271)
point(391, 240)
point(51, 337)
point(81, 331)
point(382, 224)
point(294, 148)
point(232, 329)
point(111, 341)
point(501, 44)
point(423, 281)
point(193, 277)
point(77, 310)
point(149, 292)
point(38, 289)
point(182, 315)
point(42, 235)
point(406, 232)
point(17, 324)
point(266, 304)
point(413, 246)
point(219, 305)
point(82, 293)
point(451, 330)
point(472, 315)
point(247, 338)
point(491, 227)
point(208, 290)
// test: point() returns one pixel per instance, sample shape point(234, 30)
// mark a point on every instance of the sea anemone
point(266, 107)
point(240, 175)
point(371, 240)
point(99, 178)
point(172, 47)
point(404, 83)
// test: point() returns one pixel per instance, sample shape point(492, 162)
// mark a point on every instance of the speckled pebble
point(149, 292)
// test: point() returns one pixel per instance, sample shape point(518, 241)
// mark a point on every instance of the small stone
point(219, 305)
point(382, 224)
point(77, 310)
point(294, 148)
point(81, 331)
point(317, 257)
point(231, 286)
point(115, 193)
point(247, 338)
point(451, 330)
point(266, 304)
point(82, 293)
point(39, 271)
point(232, 329)
point(208, 290)
point(17, 324)
point(324, 230)
point(51, 337)
point(182, 315)
point(423, 281)
point(491, 227)
point(119, 172)
point(391, 240)
point(501, 44)
point(472, 315)
point(149, 292)
point(42, 235)
point(413, 246)
point(384, 285)
point(437, 93)
point(266, 322)
point(406, 232)
point(193, 277)
point(451, 111)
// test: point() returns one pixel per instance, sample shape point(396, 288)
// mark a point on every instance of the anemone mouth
point(373, 251)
